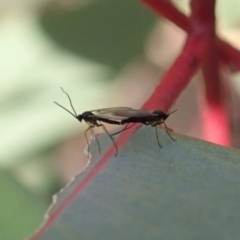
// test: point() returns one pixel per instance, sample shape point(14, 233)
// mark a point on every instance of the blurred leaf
point(110, 32)
point(20, 214)
point(189, 189)
point(228, 13)
point(32, 71)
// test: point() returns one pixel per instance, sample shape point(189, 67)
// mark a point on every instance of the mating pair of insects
point(119, 116)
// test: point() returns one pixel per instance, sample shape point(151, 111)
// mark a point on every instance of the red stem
point(200, 50)
point(166, 9)
point(193, 55)
point(214, 114)
point(228, 54)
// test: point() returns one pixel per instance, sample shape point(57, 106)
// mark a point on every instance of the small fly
point(122, 116)
point(92, 120)
point(118, 116)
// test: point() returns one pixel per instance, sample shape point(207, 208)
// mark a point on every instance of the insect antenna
point(172, 112)
point(65, 109)
point(70, 101)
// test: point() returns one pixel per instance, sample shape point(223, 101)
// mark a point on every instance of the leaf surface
point(110, 32)
point(188, 189)
point(20, 212)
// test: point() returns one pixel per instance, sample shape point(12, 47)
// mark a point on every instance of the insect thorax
point(161, 114)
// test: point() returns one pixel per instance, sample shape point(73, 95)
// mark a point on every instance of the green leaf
point(110, 32)
point(21, 213)
point(188, 189)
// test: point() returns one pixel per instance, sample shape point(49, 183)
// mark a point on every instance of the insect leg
point(167, 129)
point(125, 128)
point(106, 131)
point(94, 135)
point(157, 137)
point(168, 132)
point(87, 140)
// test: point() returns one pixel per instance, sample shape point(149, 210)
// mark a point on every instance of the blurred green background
point(103, 53)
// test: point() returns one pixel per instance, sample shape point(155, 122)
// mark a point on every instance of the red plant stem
point(190, 60)
point(228, 54)
point(200, 48)
point(216, 126)
point(211, 77)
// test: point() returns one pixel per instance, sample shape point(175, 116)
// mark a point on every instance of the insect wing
point(139, 116)
point(109, 110)
point(114, 115)
point(122, 115)
point(107, 117)
point(108, 114)
point(134, 113)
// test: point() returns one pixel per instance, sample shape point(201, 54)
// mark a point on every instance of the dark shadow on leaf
point(109, 32)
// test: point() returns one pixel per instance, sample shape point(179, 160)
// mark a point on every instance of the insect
point(129, 115)
point(92, 120)
point(118, 116)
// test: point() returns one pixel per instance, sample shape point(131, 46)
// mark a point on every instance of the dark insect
point(119, 116)
point(93, 121)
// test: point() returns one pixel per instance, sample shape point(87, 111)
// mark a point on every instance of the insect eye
point(80, 117)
